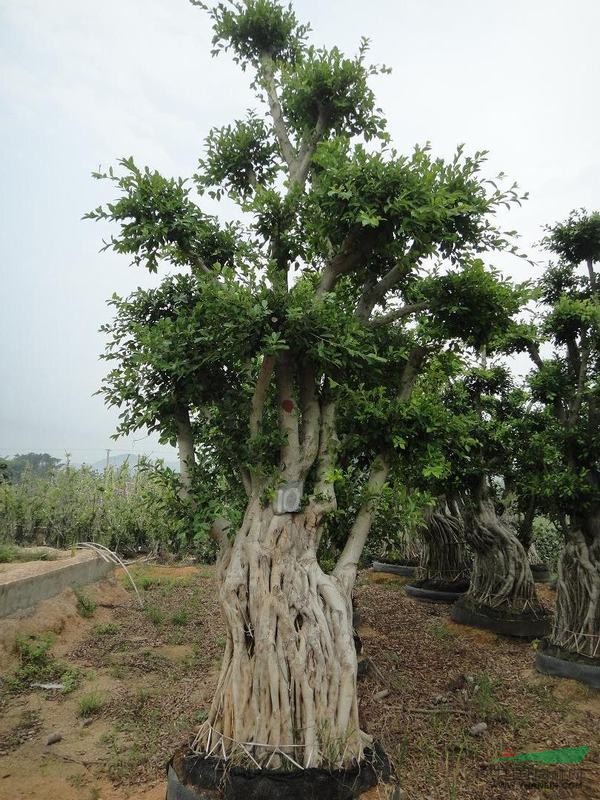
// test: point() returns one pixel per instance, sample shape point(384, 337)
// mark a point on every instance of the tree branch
point(298, 162)
point(260, 394)
point(534, 354)
point(288, 418)
point(583, 362)
point(218, 533)
point(377, 292)
point(247, 481)
point(307, 149)
point(590, 266)
point(327, 457)
point(347, 565)
point(185, 446)
point(397, 313)
point(269, 82)
point(411, 371)
point(200, 264)
point(573, 355)
point(257, 408)
point(353, 254)
point(311, 416)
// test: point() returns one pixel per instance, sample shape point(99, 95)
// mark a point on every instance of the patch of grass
point(484, 694)
point(140, 726)
point(70, 679)
point(440, 631)
point(120, 762)
point(178, 637)
point(155, 615)
point(142, 696)
point(118, 671)
point(38, 665)
point(34, 651)
point(170, 585)
point(90, 704)
point(9, 554)
point(149, 661)
point(400, 754)
point(546, 698)
point(451, 737)
point(205, 572)
point(167, 583)
point(427, 746)
point(200, 716)
point(485, 699)
point(394, 583)
point(180, 617)
point(86, 607)
point(543, 693)
point(146, 582)
point(76, 780)
point(107, 629)
point(196, 658)
point(452, 774)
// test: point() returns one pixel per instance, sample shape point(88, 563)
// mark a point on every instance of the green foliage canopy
point(353, 269)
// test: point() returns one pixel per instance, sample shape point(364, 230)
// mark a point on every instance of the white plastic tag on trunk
point(289, 497)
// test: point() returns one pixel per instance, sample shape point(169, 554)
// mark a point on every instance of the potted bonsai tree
point(502, 593)
point(277, 339)
point(567, 385)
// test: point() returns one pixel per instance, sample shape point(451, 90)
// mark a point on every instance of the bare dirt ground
point(150, 674)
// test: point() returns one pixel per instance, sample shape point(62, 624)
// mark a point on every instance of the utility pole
point(107, 457)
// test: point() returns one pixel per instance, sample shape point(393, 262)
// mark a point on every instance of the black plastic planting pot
point(541, 573)
point(551, 661)
point(192, 777)
point(436, 592)
point(408, 569)
point(523, 625)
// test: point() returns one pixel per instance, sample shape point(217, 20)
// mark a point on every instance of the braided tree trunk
point(444, 558)
point(288, 678)
point(523, 524)
point(501, 577)
point(408, 547)
point(577, 621)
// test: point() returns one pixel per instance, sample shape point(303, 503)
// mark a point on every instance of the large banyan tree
point(348, 268)
point(502, 593)
point(460, 453)
point(566, 385)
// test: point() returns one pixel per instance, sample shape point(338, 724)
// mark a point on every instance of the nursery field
point(327, 348)
point(137, 682)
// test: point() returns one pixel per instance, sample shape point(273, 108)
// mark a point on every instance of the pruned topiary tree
point(277, 338)
point(566, 384)
point(502, 593)
point(445, 560)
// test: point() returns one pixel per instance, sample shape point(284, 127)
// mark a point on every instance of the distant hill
point(131, 459)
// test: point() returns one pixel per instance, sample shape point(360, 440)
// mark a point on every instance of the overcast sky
point(82, 84)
